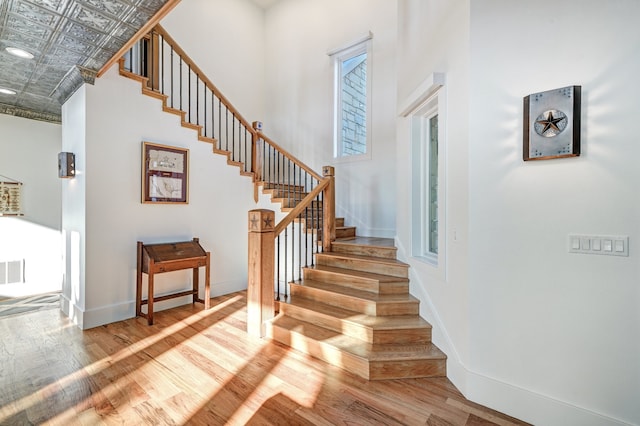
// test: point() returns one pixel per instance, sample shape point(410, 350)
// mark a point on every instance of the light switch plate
point(609, 245)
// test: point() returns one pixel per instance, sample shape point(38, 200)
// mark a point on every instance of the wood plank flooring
point(199, 367)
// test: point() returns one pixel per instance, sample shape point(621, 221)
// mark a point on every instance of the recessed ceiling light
point(7, 91)
point(19, 52)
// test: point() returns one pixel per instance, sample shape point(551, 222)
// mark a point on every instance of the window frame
point(425, 102)
point(339, 56)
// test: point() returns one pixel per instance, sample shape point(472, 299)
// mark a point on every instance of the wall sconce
point(66, 164)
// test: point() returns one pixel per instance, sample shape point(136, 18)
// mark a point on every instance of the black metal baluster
point(162, 63)
point(245, 151)
point(180, 82)
point(288, 175)
point(213, 115)
point(300, 223)
point(246, 156)
point(172, 94)
point(151, 67)
point(314, 235)
point(226, 123)
point(306, 224)
point(197, 99)
point(189, 94)
point(286, 282)
point(278, 269)
point(320, 222)
point(293, 253)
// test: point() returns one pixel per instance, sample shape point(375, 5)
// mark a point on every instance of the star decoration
point(268, 222)
point(550, 123)
point(254, 222)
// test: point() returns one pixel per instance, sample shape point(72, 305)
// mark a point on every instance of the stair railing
point(278, 257)
point(168, 73)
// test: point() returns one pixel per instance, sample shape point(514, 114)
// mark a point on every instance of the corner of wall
point(72, 311)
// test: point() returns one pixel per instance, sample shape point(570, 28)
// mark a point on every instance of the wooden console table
point(167, 257)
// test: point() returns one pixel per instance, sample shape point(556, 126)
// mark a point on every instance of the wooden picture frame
point(165, 174)
point(552, 124)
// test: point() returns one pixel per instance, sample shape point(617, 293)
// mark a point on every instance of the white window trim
point(353, 48)
point(425, 101)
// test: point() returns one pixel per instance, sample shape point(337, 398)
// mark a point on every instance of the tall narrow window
point(427, 175)
point(352, 99)
point(432, 199)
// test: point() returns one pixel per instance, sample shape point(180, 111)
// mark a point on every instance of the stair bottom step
point(370, 361)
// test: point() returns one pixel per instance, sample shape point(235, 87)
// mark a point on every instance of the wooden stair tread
point(366, 241)
point(360, 274)
point(392, 322)
point(354, 293)
point(356, 347)
point(367, 262)
point(393, 262)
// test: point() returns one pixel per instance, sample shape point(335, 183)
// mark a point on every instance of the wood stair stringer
point(183, 119)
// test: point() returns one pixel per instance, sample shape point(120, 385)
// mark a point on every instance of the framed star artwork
point(552, 124)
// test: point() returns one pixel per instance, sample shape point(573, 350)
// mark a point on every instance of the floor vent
point(12, 271)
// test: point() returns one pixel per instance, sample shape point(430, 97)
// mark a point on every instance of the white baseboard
point(86, 319)
point(507, 398)
point(530, 406)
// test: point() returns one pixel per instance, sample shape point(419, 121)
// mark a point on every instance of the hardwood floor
point(199, 367)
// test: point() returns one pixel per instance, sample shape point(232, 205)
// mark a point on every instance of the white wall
point(29, 154)
point(74, 209)
point(118, 119)
point(531, 330)
point(433, 37)
point(547, 324)
point(225, 38)
point(299, 94)
point(105, 126)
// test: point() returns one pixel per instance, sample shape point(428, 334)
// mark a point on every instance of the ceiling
point(71, 40)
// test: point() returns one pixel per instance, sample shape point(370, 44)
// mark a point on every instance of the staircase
point(351, 307)
point(353, 310)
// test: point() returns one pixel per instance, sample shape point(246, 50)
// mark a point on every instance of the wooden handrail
point(185, 58)
point(268, 163)
point(289, 156)
point(164, 10)
point(303, 204)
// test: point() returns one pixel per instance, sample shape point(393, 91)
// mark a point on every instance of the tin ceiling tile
point(82, 33)
point(108, 7)
point(74, 45)
point(36, 14)
point(92, 19)
point(124, 32)
point(53, 5)
point(30, 44)
point(17, 24)
point(62, 34)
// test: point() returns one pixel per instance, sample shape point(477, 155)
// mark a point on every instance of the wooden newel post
point(260, 291)
point(329, 209)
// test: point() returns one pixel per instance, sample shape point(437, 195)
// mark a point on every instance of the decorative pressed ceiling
point(70, 40)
